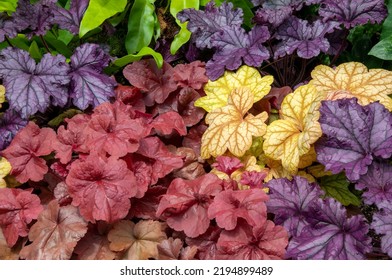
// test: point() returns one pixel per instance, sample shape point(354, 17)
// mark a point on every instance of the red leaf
point(167, 122)
point(227, 164)
point(157, 83)
point(191, 75)
point(172, 249)
point(131, 96)
point(186, 202)
point(25, 150)
point(193, 138)
point(17, 209)
point(101, 188)
point(263, 242)
point(229, 206)
point(206, 244)
point(192, 168)
point(253, 179)
point(55, 234)
point(146, 207)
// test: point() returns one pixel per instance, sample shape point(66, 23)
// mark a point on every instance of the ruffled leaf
point(10, 124)
point(70, 19)
point(382, 224)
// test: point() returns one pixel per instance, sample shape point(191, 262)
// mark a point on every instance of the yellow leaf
point(5, 168)
point(291, 137)
point(218, 92)
point(308, 158)
point(353, 79)
point(2, 94)
point(230, 128)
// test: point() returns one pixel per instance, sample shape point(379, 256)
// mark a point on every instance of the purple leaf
point(10, 124)
point(351, 13)
point(204, 24)
point(89, 85)
point(304, 38)
point(37, 18)
point(354, 136)
point(70, 19)
point(331, 235)
point(234, 46)
point(6, 27)
point(290, 201)
point(382, 224)
point(30, 86)
point(376, 183)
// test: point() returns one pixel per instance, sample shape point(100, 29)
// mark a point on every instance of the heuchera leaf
point(217, 92)
point(172, 249)
point(382, 225)
point(30, 86)
point(205, 23)
point(137, 241)
point(266, 241)
point(352, 13)
point(331, 235)
point(354, 136)
point(89, 85)
point(101, 188)
point(55, 234)
point(235, 47)
point(227, 164)
point(5, 168)
point(306, 39)
point(229, 128)
point(2, 95)
point(17, 209)
point(291, 137)
point(185, 205)
point(376, 184)
point(7, 28)
point(206, 244)
point(291, 202)
point(156, 82)
point(353, 79)
point(230, 206)
point(25, 151)
point(336, 186)
point(10, 124)
point(70, 19)
point(167, 122)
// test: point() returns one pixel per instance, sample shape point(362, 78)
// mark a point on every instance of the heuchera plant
point(238, 146)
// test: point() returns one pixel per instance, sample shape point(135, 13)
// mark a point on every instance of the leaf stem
point(45, 43)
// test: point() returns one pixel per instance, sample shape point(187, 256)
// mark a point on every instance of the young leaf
point(17, 209)
point(137, 241)
point(217, 92)
point(55, 234)
point(140, 25)
point(336, 186)
point(353, 79)
point(230, 129)
point(98, 11)
point(291, 137)
point(354, 136)
point(25, 151)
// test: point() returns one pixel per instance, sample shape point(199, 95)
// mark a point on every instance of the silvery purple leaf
point(10, 124)
point(6, 27)
point(70, 19)
point(382, 224)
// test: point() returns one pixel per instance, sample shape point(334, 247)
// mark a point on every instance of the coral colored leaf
point(291, 137)
point(263, 242)
point(17, 209)
point(227, 164)
point(229, 206)
point(7, 253)
point(167, 122)
point(137, 241)
point(5, 168)
point(55, 234)
point(218, 92)
point(230, 128)
point(101, 188)
point(354, 136)
point(172, 249)
point(186, 203)
point(353, 79)
point(25, 151)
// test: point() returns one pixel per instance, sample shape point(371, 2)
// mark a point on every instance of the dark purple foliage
point(331, 235)
point(32, 87)
point(70, 19)
point(89, 85)
point(290, 201)
point(377, 184)
point(351, 13)
point(10, 124)
point(354, 136)
point(6, 27)
point(306, 39)
point(204, 24)
point(382, 224)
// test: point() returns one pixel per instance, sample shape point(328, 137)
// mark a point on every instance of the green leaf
point(34, 51)
point(383, 49)
point(141, 25)
point(98, 11)
point(387, 24)
point(60, 118)
point(65, 36)
point(20, 42)
point(58, 45)
point(336, 186)
point(184, 34)
point(8, 5)
point(121, 62)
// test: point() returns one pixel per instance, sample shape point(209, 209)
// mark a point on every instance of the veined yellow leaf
point(291, 137)
point(2, 94)
point(353, 79)
point(217, 92)
point(5, 168)
point(231, 128)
